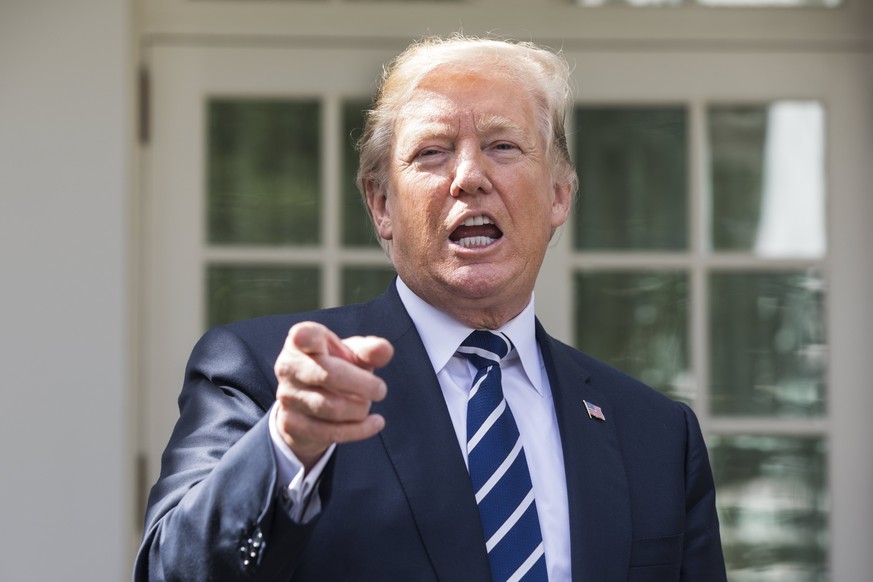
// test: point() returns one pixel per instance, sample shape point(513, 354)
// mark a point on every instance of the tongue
point(488, 230)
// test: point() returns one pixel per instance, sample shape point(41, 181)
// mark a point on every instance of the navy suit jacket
point(399, 506)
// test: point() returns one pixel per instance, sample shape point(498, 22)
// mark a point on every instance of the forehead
point(455, 99)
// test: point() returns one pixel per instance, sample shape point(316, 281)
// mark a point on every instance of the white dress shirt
point(528, 393)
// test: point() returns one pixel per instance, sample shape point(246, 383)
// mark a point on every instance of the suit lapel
point(597, 488)
point(420, 441)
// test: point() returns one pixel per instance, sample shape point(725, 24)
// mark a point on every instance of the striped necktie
point(498, 468)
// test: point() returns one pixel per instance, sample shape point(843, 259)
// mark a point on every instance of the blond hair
point(543, 73)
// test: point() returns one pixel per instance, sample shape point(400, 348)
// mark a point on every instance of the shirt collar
point(442, 334)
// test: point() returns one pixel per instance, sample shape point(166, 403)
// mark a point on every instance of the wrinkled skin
point(468, 146)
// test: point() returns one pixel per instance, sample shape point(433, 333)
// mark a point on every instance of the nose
point(470, 174)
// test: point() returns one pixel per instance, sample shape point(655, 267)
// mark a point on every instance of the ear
point(377, 202)
point(561, 203)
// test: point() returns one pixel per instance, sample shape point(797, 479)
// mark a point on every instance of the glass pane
point(237, 292)
point(401, 1)
point(357, 228)
point(768, 353)
point(767, 178)
point(772, 501)
point(630, 2)
point(264, 172)
point(361, 284)
point(632, 178)
point(781, 3)
point(637, 322)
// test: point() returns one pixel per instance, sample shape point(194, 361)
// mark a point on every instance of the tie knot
point(485, 348)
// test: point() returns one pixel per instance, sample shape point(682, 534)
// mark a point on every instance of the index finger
point(314, 339)
point(315, 357)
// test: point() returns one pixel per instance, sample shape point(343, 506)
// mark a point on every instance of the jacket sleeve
point(214, 514)
point(702, 556)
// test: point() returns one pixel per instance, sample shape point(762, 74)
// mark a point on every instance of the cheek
point(409, 220)
point(421, 201)
point(533, 205)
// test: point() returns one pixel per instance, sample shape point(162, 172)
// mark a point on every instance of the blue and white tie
point(498, 468)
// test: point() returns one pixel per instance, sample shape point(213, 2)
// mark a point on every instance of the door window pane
point(401, 1)
point(361, 284)
point(357, 228)
point(768, 352)
point(742, 3)
point(767, 178)
point(237, 292)
point(632, 165)
point(637, 322)
point(779, 3)
point(772, 500)
point(263, 172)
point(630, 2)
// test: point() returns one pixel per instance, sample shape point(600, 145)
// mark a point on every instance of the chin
point(478, 283)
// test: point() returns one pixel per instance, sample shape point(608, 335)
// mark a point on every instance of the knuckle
point(311, 372)
point(324, 407)
point(286, 363)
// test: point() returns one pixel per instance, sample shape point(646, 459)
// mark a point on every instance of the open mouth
point(476, 231)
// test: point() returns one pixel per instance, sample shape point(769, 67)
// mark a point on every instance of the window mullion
point(331, 170)
point(699, 229)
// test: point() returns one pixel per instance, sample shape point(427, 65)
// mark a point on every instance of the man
point(416, 449)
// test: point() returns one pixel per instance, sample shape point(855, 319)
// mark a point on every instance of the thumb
point(370, 351)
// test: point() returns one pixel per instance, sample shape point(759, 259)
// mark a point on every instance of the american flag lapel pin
point(594, 411)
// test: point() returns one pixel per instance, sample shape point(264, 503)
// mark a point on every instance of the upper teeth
point(478, 221)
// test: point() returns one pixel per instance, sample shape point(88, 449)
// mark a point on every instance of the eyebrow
point(495, 124)
point(486, 126)
point(435, 130)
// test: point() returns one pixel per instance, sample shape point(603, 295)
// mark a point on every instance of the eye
point(428, 152)
point(508, 150)
point(504, 147)
point(429, 155)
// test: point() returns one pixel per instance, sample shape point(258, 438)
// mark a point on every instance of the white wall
point(65, 131)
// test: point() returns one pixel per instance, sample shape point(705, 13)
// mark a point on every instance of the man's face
point(470, 202)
